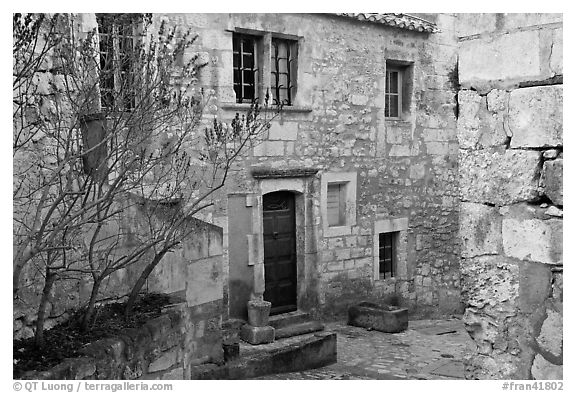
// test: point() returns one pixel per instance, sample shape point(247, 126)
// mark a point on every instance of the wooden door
point(280, 251)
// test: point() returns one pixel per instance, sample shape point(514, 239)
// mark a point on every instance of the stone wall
point(511, 159)
point(405, 169)
point(167, 347)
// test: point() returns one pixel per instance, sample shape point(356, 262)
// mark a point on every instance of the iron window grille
point(387, 254)
point(283, 70)
point(393, 93)
point(117, 37)
point(245, 65)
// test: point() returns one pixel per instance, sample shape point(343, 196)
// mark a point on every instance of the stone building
point(353, 193)
point(417, 159)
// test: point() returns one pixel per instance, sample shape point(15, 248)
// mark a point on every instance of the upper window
point(246, 71)
point(393, 105)
point(116, 34)
point(398, 89)
point(252, 59)
point(283, 66)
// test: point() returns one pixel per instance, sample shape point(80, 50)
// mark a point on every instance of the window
point(393, 96)
point(245, 64)
point(390, 249)
point(283, 66)
point(387, 254)
point(398, 89)
point(256, 56)
point(116, 34)
point(336, 204)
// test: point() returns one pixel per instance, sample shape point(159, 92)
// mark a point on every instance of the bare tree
point(118, 132)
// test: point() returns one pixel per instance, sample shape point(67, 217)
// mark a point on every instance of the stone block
point(535, 281)
point(499, 176)
point(552, 181)
point(535, 116)
point(550, 337)
point(205, 281)
point(479, 127)
point(286, 131)
point(399, 151)
point(437, 148)
point(269, 148)
point(514, 56)
point(518, 20)
point(176, 374)
point(165, 361)
point(533, 239)
point(472, 24)
point(556, 58)
point(544, 370)
point(384, 318)
point(490, 284)
point(257, 334)
point(480, 229)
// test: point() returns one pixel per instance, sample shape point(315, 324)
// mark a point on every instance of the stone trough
point(384, 318)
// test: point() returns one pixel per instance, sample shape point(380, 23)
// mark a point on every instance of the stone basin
point(381, 317)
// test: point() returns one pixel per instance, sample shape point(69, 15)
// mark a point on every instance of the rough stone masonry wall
point(405, 168)
point(166, 347)
point(511, 159)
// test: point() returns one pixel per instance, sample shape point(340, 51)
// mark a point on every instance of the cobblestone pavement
point(428, 349)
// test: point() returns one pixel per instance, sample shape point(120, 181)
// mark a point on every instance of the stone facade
point(510, 133)
point(404, 168)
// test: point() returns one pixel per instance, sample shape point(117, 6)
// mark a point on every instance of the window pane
point(248, 92)
point(392, 106)
point(248, 61)
point(393, 82)
point(248, 77)
point(282, 50)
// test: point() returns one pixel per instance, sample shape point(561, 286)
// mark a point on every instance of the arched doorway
point(279, 230)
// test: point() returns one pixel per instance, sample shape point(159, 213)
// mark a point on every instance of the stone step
point(290, 318)
point(298, 329)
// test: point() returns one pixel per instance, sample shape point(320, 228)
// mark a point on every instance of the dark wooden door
point(280, 251)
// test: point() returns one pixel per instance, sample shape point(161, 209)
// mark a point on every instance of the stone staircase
point(294, 323)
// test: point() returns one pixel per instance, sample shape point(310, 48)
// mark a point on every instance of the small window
point(336, 204)
point(117, 34)
point(245, 65)
point(283, 69)
point(387, 254)
point(393, 96)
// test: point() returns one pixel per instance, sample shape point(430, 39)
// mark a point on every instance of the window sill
point(394, 121)
point(234, 106)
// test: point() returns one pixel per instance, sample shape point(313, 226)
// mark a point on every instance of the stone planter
point(384, 318)
point(258, 312)
point(257, 330)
